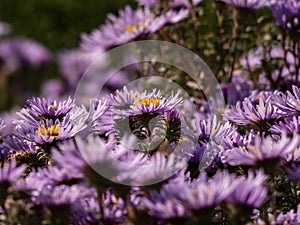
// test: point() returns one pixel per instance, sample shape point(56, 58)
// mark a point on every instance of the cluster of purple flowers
point(133, 156)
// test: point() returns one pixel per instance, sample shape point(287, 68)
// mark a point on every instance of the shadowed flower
point(85, 211)
point(293, 171)
point(165, 207)
point(56, 195)
point(19, 149)
point(287, 14)
point(9, 173)
point(250, 191)
point(58, 176)
point(153, 170)
point(99, 160)
point(57, 200)
point(291, 217)
point(289, 126)
point(114, 208)
point(198, 195)
point(235, 140)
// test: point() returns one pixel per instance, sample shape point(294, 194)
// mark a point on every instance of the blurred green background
point(56, 23)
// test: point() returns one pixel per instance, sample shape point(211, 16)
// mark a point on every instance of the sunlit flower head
point(250, 191)
point(257, 111)
point(135, 103)
point(37, 109)
point(129, 25)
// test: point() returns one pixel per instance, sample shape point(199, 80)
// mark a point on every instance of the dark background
point(56, 23)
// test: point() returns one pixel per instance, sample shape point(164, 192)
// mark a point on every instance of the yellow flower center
point(133, 28)
point(52, 131)
point(52, 107)
point(149, 101)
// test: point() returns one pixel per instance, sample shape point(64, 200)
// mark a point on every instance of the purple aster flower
point(263, 149)
point(46, 121)
point(130, 24)
point(183, 3)
point(58, 176)
point(48, 131)
point(256, 111)
point(250, 191)
point(165, 207)
point(19, 148)
point(118, 30)
point(19, 52)
point(56, 195)
point(135, 103)
point(58, 200)
point(208, 144)
point(291, 217)
point(103, 157)
point(249, 4)
point(289, 103)
point(153, 170)
point(212, 130)
point(41, 108)
point(286, 14)
point(151, 117)
point(198, 195)
point(237, 140)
